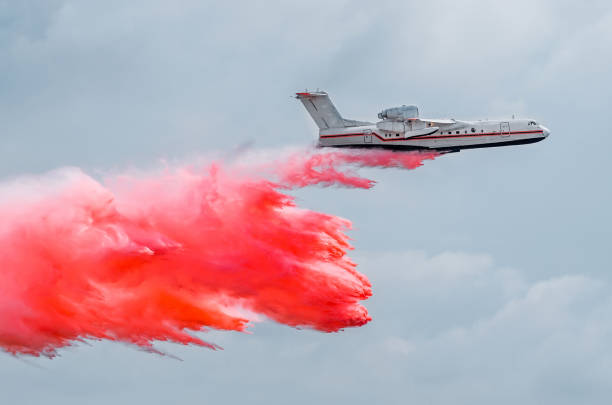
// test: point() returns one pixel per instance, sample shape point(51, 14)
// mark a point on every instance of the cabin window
point(457, 131)
point(396, 134)
point(473, 130)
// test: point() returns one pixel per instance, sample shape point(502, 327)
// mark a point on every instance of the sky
point(490, 267)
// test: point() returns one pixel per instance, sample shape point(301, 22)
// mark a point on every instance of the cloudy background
point(490, 268)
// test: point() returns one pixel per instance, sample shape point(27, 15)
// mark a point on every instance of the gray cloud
point(107, 86)
point(528, 341)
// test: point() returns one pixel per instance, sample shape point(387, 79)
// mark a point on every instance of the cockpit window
point(532, 123)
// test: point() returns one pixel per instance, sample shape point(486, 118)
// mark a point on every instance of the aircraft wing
point(439, 121)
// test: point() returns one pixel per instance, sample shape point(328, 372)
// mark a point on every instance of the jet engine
point(392, 126)
point(403, 113)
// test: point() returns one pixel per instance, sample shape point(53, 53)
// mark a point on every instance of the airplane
point(401, 128)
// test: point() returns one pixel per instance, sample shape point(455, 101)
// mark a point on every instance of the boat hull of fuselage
point(449, 148)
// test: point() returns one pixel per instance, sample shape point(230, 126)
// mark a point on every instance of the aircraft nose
point(545, 130)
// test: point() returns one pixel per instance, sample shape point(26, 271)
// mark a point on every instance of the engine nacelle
point(405, 112)
point(392, 126)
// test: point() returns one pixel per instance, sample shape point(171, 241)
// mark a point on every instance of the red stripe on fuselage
point(425, 137)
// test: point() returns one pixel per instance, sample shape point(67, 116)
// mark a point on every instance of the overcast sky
point(490, 268)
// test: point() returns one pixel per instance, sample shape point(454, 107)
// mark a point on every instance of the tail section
point(323, 112)
point(321, 109)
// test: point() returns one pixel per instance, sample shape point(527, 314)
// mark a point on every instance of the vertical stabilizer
point(321, 109)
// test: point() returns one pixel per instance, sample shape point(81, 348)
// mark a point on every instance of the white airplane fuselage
point(403, 129)
point(455, 136)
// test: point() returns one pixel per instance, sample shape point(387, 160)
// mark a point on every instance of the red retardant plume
point(157, 257)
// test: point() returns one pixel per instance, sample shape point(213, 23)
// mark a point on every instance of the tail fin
point(321, 109)
point(324, 113)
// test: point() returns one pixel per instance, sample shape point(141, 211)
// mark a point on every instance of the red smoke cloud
point(156, 257)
